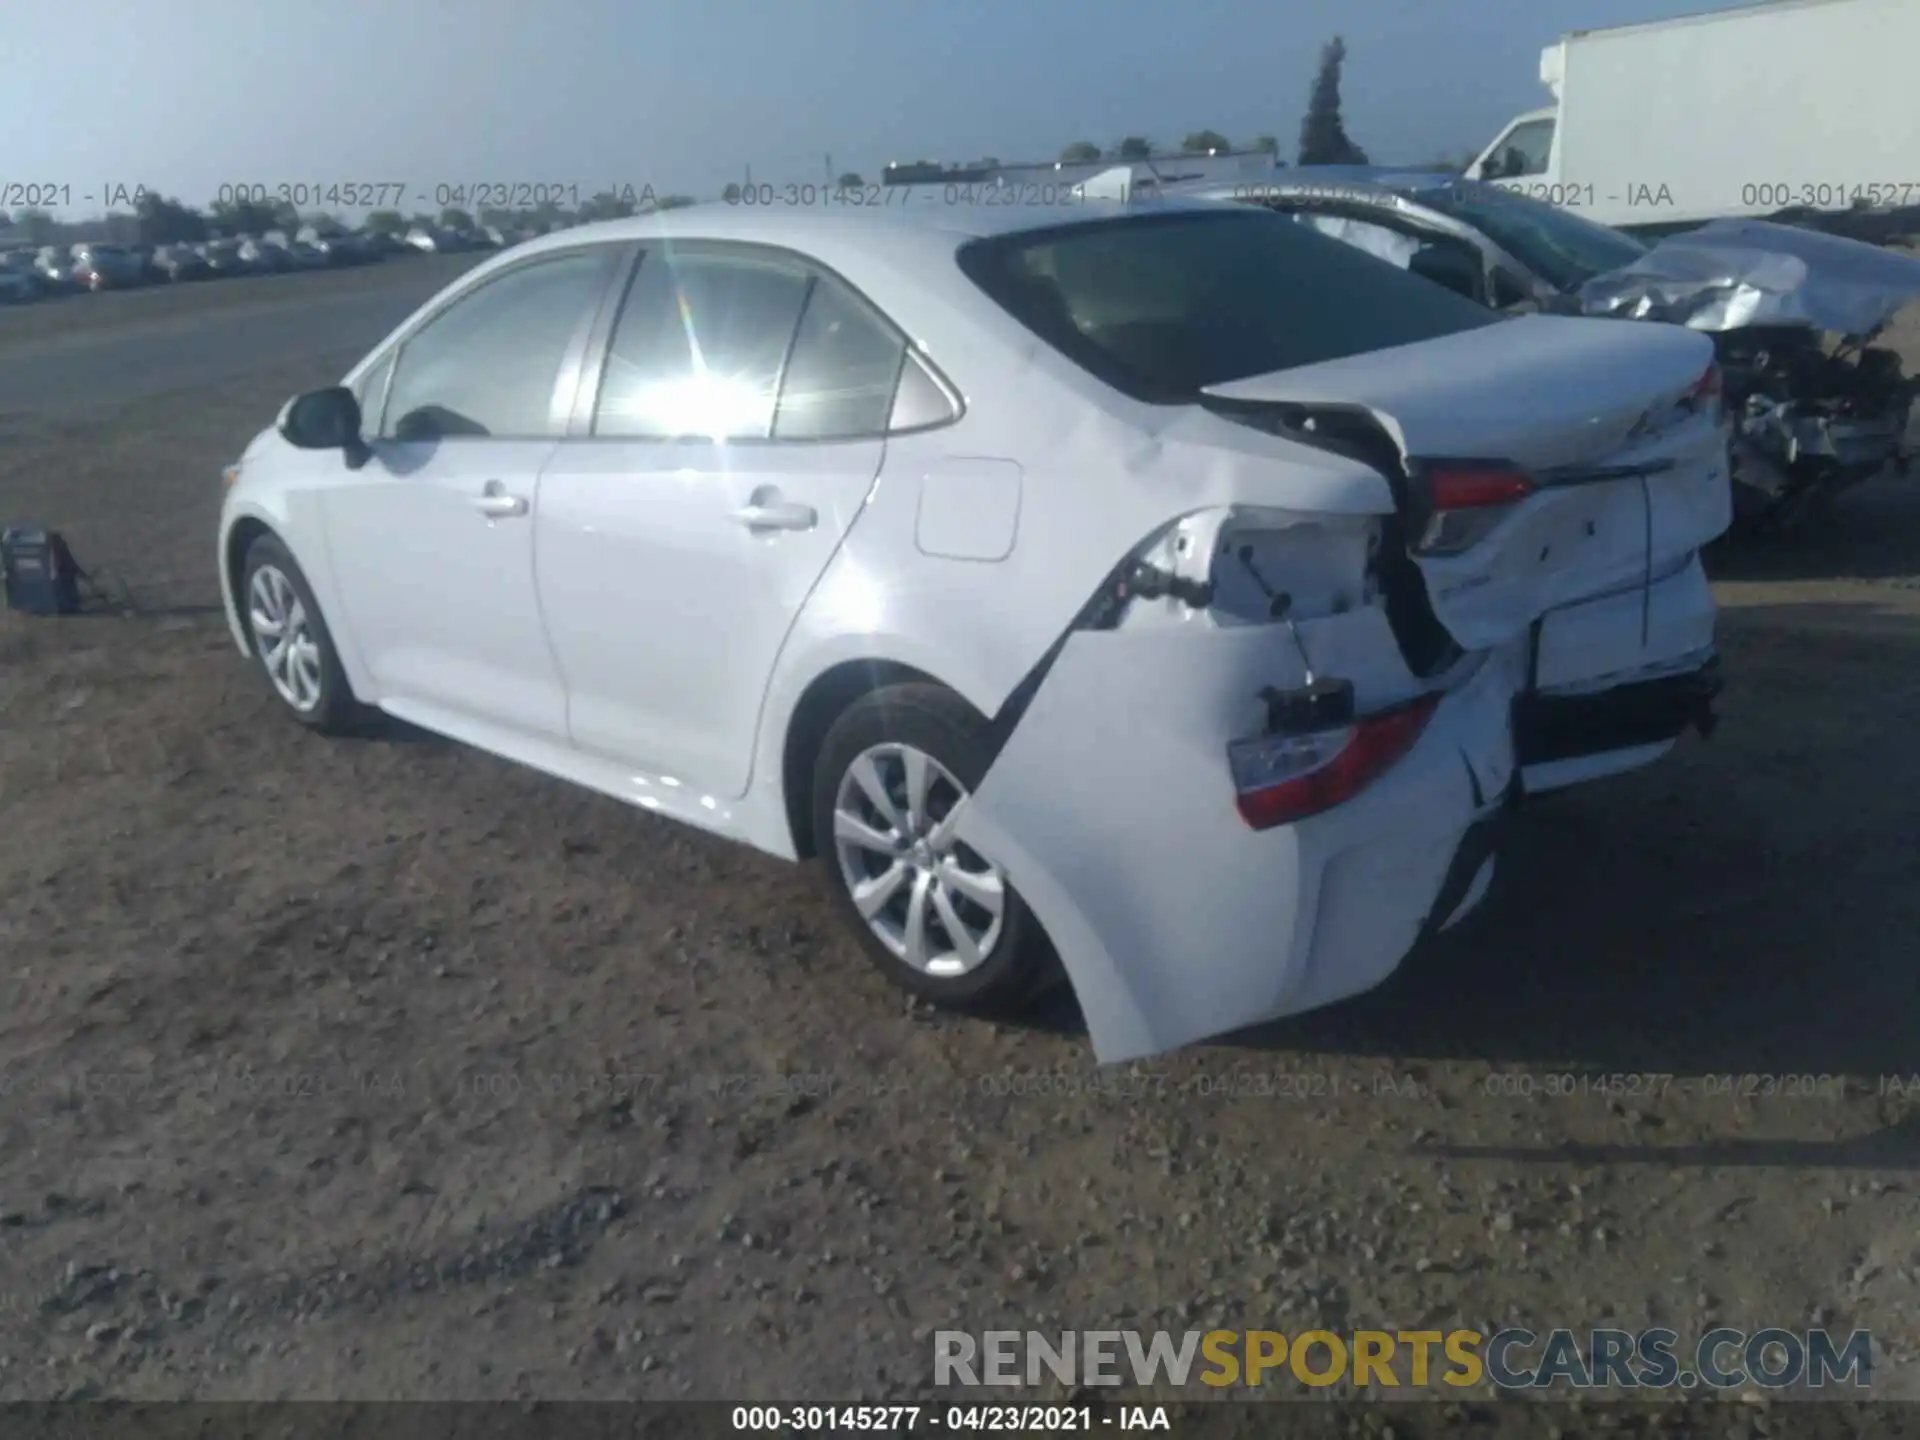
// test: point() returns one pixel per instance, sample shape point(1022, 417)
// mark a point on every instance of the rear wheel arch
point(824, 701)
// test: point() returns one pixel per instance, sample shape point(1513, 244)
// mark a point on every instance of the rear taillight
point(1476, 487)
point(1464, 500)
point(1279, 779)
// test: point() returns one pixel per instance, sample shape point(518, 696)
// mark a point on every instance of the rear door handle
point(495, 503)
point(777, 515)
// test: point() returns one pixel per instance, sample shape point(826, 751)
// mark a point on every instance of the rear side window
point(1162, 306)
point(699, 347)
point(842, 373)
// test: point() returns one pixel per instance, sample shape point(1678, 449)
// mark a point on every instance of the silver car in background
point(1816, 407)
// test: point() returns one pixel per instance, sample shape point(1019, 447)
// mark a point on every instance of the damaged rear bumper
point(1112, 807)
point(1551, 728)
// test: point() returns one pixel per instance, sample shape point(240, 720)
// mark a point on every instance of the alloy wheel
point(283, 632)
point(933, 901)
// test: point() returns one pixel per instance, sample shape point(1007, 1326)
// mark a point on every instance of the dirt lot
point(385, 1069)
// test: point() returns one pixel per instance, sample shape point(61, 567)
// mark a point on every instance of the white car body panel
point(1109, 849)
point(627, 632)
point(661, 525)
point(440, 599)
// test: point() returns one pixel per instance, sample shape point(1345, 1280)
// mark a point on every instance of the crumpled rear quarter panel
point(1112, 807)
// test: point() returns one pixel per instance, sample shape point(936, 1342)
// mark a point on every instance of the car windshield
point(1562, 248)
point(1163, 306)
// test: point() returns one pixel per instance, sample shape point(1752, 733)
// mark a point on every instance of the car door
point(732, 433)
point(431, 540)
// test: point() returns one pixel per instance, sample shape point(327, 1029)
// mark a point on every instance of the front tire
point(941, 920)
point(291, 640)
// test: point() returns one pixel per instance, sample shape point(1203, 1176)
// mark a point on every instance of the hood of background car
point(1730, 274)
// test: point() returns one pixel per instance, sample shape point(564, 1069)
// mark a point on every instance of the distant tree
point(454, 218)
point(1202, 141)
point(162, 221)
point(243, 217)
point(731, 194)
point(851, 181)
point(325, 224)
point(386, 222)
point(1134, 147)
point(673, 202)
point(606, 206)
point(36, 227)
point(1080, 152)
point(1267, 144)
point(1323, 137)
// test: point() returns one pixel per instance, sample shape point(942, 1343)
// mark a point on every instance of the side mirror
point(325, 420)
point(1453, 266)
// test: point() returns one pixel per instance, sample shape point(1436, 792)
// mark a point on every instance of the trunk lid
point(1631, 476)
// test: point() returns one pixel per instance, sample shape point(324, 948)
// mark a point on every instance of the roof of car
point(969, 211)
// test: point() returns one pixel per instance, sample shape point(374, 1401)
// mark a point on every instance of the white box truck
point(1786, 106)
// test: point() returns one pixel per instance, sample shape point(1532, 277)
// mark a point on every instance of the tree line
point(1323, 134)
point(1323, 138)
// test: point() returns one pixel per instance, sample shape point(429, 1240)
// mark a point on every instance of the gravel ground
point(383, 1069)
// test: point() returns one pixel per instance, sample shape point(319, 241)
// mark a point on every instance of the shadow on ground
point(1871, 533)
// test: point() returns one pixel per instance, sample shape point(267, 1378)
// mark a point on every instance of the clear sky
point(686, 94)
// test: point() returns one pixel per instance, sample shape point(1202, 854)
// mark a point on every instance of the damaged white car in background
point(1816, 407)
point(1168, 595)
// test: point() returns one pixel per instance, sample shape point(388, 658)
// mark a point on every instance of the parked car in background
point(303, 256)
point(1815, 406)
point(264, 256)
point(333, 246)
point(19, 280)
point(224, 259)
point(54, 266)
point(431, 240)
point(177, 263)
point(142, 255)
point(381, 243)
point(1190, 651)
point(107, 267)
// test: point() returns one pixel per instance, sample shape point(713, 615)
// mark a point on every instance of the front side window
point(700, 346)
point(487, 365)
point(1525, 151)
point(1163, 306)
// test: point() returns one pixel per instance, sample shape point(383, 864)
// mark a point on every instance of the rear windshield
point(1162, 306)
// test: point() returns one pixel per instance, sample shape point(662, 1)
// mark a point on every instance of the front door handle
point(495, 503)
point(777, 515)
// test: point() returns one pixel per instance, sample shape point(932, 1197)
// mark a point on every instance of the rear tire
point(291, 640)
point(939, 919)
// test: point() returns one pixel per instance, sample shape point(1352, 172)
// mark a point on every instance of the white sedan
point(1163, 595)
